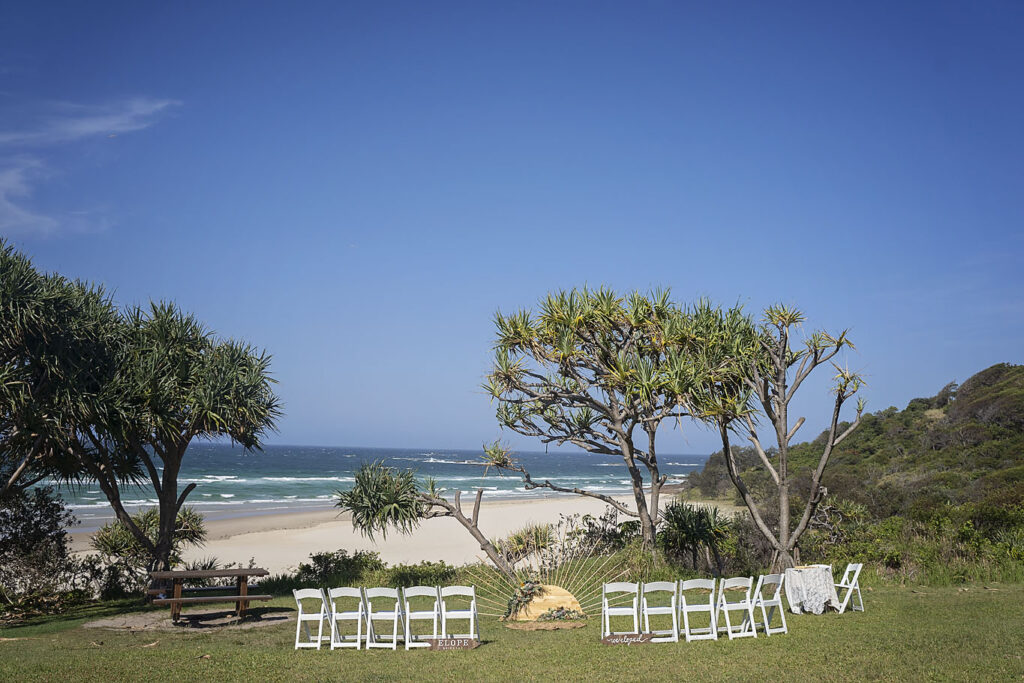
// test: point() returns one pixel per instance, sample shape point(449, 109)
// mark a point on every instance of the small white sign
point(454, 644)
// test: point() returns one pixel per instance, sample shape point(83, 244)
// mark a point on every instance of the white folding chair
point(394, 615)
point(336, 615)
point(469, 613)
point(433, 614)
point(850, 583)
point(610, 592)
point(688, 607)
point(771, 602)
point(308, 616)
point(741, 585)
point(651, 589)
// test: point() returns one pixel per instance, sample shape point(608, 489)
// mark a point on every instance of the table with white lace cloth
point(810, 589)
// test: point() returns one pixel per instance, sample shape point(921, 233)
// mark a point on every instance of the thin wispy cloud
point(67, 122)
point(50, 125)
point(16, 184)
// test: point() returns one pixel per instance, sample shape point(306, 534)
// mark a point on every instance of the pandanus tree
point(602, 372)
point(384, 498)
point(90, 392)
point(58, 343)
point(176, 383)
point(759, 384)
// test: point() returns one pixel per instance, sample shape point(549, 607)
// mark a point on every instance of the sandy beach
point(278, 542)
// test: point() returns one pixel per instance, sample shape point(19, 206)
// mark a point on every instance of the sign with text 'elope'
point(454, 643)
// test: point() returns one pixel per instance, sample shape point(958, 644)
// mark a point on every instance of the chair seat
point(620, 611)
point(667, 609)
point(700, 607)
point(348, 615)
point(423, 614)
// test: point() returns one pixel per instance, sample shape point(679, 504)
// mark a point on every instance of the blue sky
point(357, 187)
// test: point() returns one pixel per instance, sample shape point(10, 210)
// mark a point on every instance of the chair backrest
point(735, 584)
point(344, 592)
point(307, 594)
point(420, 591)
point(697, 584)
point(466, 591)
point(372, 593)
point(621, 587)
point(658, 586)
point(851, 574)
point(766, 582)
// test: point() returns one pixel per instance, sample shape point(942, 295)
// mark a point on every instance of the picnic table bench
point(241, 596)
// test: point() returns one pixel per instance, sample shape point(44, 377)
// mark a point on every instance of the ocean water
point(230, 482)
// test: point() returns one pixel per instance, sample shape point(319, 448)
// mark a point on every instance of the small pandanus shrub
point(528, 541)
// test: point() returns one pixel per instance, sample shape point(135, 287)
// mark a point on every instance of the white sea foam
point(299, 479)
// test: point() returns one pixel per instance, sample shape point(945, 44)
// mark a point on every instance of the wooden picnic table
point(241, 596)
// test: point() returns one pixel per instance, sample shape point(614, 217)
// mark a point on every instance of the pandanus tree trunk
point(471, 524)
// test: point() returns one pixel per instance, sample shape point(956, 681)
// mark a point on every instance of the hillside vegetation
point(946, 472)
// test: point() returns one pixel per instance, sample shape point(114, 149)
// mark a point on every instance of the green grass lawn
point(905, 634)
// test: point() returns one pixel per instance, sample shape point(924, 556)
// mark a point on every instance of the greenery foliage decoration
point(523, 596)
point(562, 614)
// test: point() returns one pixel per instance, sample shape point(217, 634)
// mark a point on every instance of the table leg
point(176, 606)
point(243, 590)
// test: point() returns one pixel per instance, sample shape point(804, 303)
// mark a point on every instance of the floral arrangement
point(562, 614)
point(527, 591)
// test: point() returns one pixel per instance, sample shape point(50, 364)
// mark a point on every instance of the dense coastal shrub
point(425, 573)
point(361, 568)
point(338, 568)
point(36, 568)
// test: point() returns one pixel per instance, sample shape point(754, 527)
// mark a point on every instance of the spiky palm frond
point(382, 498)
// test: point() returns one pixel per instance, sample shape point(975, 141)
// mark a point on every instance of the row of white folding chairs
point(398, 613)
point(719, 604)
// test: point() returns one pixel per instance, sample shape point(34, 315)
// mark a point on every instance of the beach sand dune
point(279, 542)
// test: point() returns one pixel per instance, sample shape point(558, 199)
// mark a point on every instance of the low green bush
point(422, 574)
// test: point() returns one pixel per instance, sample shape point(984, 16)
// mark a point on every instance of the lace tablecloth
point(810, 589)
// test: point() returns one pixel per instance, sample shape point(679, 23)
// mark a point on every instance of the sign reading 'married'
point(454, 644)
point(627, 639)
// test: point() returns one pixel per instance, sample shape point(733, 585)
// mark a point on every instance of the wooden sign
point(454, 644)
point(628, 639)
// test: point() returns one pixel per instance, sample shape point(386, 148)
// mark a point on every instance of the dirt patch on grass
point(161, 620)
point(544, 625)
